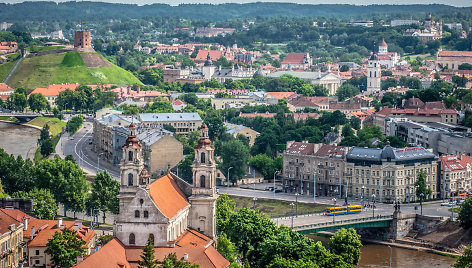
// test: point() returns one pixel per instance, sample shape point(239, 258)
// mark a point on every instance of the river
point(17, 139)
point(373, 255)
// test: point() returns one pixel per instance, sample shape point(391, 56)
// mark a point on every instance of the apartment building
point(455, 174)
point(183, 123)
point(389, 174)
point(11, 238)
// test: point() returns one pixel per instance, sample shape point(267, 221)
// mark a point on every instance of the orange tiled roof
point(332, 151)
point(191, 238)
point(167, 196)
point(45, 229)
point(17, 214)
point(6, 221)
point(214, 55)
point(294, 58)
point(111, 255)
point(54, 90)
point(455, 162)
point(5, 87)
point(282, 95)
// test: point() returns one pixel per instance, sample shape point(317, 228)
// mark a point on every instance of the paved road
point(429, 209)
point(12, 70)
point(78, 146)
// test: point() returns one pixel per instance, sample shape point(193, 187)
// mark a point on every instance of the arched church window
point(130, 179)
point(130, 156)
point(136, 213)
point(202, 181)
point(146, 214)
point(202, 158)
point(132, 239)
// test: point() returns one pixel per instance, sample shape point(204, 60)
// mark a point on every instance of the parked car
point(278, 190)
point(445, 204)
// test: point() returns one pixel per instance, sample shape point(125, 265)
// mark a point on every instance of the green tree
point(47, 147)
point(347, 131)
point(16, 174)
point(236, 155)
point(460, 81)
point(465, 260)
point(37, 102)
point(44, 204)
point(465, 215)
point(64, 248)
point(347, 244)
point(17, 101)
point(171, 261)
point(465, 66)
point(346, 91)
point(69, 157)
point(65, 180)
point(104, 239)
point(224, 209)
point(421, 187)
point(344, 68)
point(355, 122)
point(226, 248)
point(104, 194)
point(147, 257)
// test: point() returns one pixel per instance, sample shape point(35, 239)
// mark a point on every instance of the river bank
point(19, 139)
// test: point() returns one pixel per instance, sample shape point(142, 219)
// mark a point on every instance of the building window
point(130, 156)
point(132, 239)
point(37, 252)
point(202, 158)
point(130, 179)
point(145, 214)
point(202, 181)
point(136, 213)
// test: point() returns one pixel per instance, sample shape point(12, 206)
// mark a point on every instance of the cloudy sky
point(357, 2)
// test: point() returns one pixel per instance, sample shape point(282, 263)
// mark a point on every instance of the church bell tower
point(203, 199)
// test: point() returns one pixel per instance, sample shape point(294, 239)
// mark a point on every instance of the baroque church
point(180, 218)
point(167, 207)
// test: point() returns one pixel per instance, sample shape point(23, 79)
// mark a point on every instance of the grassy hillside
point(5, 68)
point(55, 125)
point(63, 68)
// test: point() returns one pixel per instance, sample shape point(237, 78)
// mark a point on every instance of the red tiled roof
point(415, 112)
point(17, 214)
point(303, 148)
point(6, 221)
point(254, 115)
point(111, 255)
point(177, 102)
point(282, 95)
point(45, 229)
point(5, 87)
point(454, 53)
point(344, 106)
point(383, 43)
point(455, 162)
point(214, 55)
point(191, 238)
point(294, 58)
point(331, 151)
point(54, 90)
point(167, 196)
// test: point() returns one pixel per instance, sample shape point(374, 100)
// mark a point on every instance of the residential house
point(11, 238)
point(5, 91)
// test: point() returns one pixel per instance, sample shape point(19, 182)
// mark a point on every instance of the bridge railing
point(341, 222)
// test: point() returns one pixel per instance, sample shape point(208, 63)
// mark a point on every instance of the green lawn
point(55, 125)
point(34, 49)
point(8, 118)
point(5, 68)
point(64, 68)
point(13, 56)
point(276, 208)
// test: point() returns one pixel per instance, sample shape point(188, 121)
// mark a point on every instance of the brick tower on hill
point(83, 41)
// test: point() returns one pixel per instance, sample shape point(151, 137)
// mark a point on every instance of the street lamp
point(334, 214)
point(362, 194)
point(373, 205)
point(421, 202)
point(291, 204)
point(255, 199)
point(296, 203)
point(227, 179)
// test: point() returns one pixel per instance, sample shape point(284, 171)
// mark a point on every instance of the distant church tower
point(383, 48)
point(208, 68)
point(132, 171)
point(373, 74)
point(202, 216)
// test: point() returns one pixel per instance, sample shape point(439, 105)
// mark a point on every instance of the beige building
point(456, 174)
point(389, 174)
point(11, 238)
point(235, 130)
point(184, 123)
point(328, 80)
point(451, 60)
point(161, 151)
point(307, 163)
point(237, 102)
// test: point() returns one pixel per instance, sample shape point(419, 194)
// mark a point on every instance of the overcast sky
point(356, 2)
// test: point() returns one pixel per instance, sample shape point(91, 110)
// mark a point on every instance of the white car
point(445, 204)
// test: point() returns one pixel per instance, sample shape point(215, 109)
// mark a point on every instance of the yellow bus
point(343, 210)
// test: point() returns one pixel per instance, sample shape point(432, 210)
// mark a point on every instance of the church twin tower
point(167, 207)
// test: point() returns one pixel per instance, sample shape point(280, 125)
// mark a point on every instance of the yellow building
point(11, 238)
point(235, 130)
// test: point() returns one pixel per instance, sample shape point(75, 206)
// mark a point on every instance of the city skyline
point(458, 3)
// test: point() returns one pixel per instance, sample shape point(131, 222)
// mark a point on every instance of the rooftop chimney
point(59, 222)
point(185, 256)
point(25, 223)
point(32, 233)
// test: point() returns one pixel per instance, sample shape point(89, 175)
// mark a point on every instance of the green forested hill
point(66, 68)
point(78, 11)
